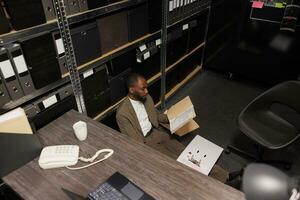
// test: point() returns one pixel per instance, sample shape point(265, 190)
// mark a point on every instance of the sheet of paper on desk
point(200, 155)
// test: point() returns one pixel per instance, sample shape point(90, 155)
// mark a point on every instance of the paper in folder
point(15, 121)
point(180, 114)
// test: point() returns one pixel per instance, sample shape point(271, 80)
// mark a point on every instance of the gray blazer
point(128, 121)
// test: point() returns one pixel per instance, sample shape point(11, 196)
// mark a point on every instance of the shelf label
point(7, 69)
point(143, 47)
point(185, 26)
point(20, 64)
point(157, 42)
point(146, 55)
point(170, 6)
point(60, 46)
point(88, 73)
point(50, 101)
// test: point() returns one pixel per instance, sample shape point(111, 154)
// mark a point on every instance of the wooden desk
point(155, 173)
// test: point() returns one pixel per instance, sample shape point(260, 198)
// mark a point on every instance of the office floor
point(218, 101)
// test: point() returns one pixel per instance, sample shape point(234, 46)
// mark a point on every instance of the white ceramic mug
point(80, 130)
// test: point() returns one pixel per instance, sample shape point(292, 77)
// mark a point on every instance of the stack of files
point(4, 25)
point(25, 14)
point(86, 43)
point(40, 56)
point(95, 90)
point(10, 84)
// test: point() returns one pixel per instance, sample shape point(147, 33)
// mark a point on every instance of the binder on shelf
point(92, 4)
point(21, 68)
point(95, 90)
point(113, 31)
point(154, 15)
point(138, 22)
point(60, 52)
point(4, 96)
point(86, 43)
point(83, 5)
point(72, 6)
point(121, 63)
point(25, 14)
point(9, 76)
point(4, 25)
point(118, 87)
point(49, 10)
point(40, 56)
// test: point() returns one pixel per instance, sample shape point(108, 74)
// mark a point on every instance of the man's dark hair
point(132, 78)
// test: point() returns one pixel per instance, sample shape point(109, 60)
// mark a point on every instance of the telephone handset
point(68, 155)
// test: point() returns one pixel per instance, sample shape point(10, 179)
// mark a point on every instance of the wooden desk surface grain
point(157, 174)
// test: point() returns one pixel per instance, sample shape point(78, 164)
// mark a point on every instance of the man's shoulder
point(122, 108)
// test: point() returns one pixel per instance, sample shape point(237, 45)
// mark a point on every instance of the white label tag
point(185, 2)
point(60, 46)
point(157, 42)
point(88, 73)
point(20, 64)
point(185, 26)
point(178, 3)
point(138, 60)
point(143, 47)
point(50, 101)
point(174, 4)
point(146, 55)
point(181, 3)
point(7, 69)
point(170, 6)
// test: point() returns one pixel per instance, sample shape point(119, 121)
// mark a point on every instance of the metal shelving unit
point(72, 19)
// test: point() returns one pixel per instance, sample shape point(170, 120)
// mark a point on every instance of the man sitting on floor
point(138, 118)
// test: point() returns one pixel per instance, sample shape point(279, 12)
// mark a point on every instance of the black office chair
point(272, 121)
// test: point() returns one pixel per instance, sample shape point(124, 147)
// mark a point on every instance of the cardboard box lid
point(179, 108)
point(15, 121)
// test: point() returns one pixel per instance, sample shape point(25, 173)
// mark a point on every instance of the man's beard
point(139, 98)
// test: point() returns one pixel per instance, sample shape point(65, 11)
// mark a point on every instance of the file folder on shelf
point(21, 68)
point(118, 87)
point(49, 9)
point(92, 4)
point(4, 96)
point(138, 22)
point(40, 56)
point(72, 6)
point(60, 52)
point(4, 26)
point(83, 5)
point(9, 76)
point(113, 31)
point(25, 14)
point(86, 43)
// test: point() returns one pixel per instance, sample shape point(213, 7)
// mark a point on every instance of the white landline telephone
point(68, 155)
